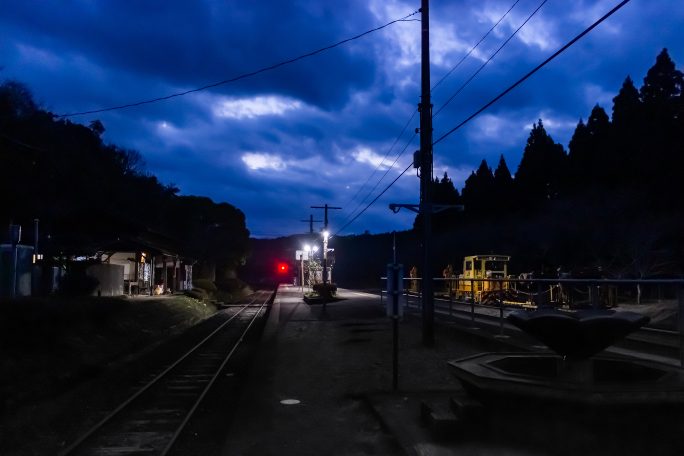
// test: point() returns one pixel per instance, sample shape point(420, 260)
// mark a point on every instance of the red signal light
point(282, 268)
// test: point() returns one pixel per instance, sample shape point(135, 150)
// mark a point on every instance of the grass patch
point(48, 344)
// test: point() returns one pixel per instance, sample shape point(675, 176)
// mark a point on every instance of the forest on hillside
point(610, 206)
point(87, 193)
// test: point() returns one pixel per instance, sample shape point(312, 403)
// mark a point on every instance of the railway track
point(646, 340)
point(153, 418)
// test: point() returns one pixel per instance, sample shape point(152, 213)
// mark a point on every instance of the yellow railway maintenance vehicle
point(482, 267)
point(470, 284)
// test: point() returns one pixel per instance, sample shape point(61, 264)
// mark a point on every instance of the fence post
point(420, 294)
point(472, 303)
point(540, 297)
point(595, 295)
point(501, 334)
point(680, 299)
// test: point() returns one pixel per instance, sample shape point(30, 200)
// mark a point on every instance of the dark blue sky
point(314, 131)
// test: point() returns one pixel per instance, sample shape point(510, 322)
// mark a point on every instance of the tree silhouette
point(627, 132)
point(87, 193)
point(502, 191)
point(602, 168)
point(443, 193)
point(662, 84)
point(661, 95)
point(541, 173)
point(479, 190)
point(579, 158)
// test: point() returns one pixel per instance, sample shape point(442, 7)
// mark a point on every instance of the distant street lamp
point(310, 251)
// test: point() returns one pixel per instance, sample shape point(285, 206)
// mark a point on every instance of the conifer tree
point(579, 158)
point(661, 95)
point(541, 173)
point(602, 170)
point(503, 186)
point(626, 107)
point(478, 193)
point(663, 82)
point(443, 193)
point(628, 132)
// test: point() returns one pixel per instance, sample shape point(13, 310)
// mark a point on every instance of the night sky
point(314, 131)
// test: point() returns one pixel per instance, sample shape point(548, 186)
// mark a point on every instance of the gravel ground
point(335, 369)
point(319, 381)
point(329, 361)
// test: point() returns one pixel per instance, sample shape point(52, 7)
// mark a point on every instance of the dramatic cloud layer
point(323, 129)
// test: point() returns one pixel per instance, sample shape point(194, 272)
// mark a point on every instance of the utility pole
point(425, 108)
point(311, 222)
point(423, 159)
point(326, 234)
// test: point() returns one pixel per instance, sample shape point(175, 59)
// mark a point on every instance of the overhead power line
point(242, 76)
point(351, 214)
point(382, 162)
point(374, 200)
point(465, 84)
point(531, 72)
point(474, 47)
point(358, 192)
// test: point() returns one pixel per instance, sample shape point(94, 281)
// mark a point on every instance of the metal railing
point(660, 299)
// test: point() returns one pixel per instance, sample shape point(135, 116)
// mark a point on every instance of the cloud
point(258, 161)
point(29, 53)
point(504, 130)
point(258, 106)
point(595, 94)
point(537, 32)
point(313, 132)
point(366, 155)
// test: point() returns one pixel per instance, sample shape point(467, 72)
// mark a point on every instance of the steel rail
point(188, 416)
point(669, 336)
point(551, 280)
point(78, 442)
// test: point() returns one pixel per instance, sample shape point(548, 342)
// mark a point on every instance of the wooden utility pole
point(425, 108)
point(311, 222)
point(422, 159)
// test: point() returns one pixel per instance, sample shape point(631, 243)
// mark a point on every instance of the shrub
point(326, 290)
point(205, 284)
point(197, 293)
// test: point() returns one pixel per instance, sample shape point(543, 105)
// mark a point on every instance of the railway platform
point(321, 383)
